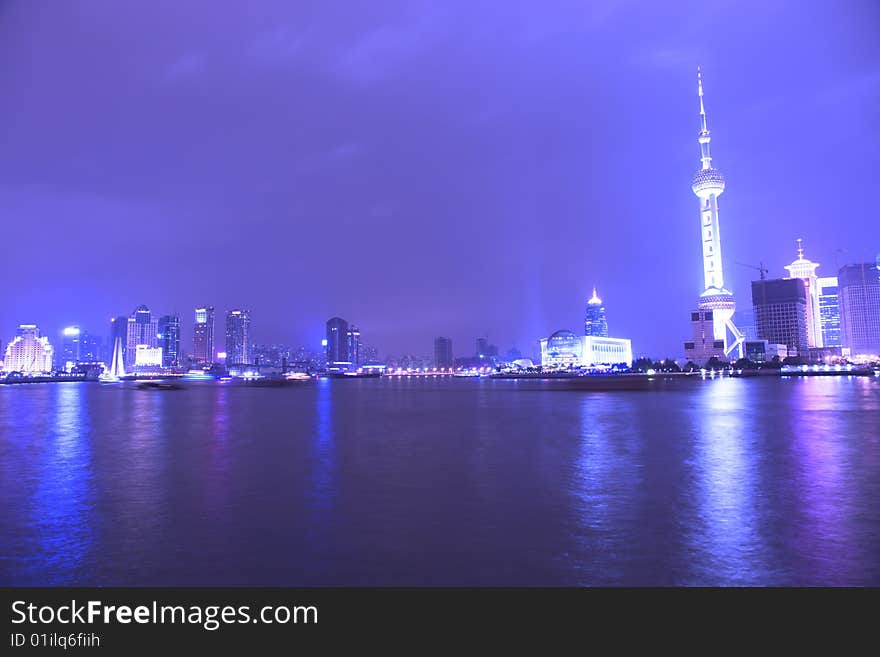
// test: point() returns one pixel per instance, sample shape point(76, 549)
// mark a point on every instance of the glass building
point(238, 337)
point(336, 347)
point(858, 292)
point(169, 340)
point(829, 311)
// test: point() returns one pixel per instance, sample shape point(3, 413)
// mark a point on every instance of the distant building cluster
point(594, 349)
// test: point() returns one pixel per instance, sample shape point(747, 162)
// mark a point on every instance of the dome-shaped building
point(562, 349)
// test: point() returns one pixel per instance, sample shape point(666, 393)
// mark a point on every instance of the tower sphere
point(708, 182)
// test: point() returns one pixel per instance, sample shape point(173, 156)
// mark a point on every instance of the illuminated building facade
point(147, 357)
point(829, 311)
point(142, 329)
point(203, 336)
point(781, 313)
point(118, 333)
point(28, 353)
point(858, 293)
point(595, 322)
point(805, 270)
point(443, 358)
point(564, 350)
point(169, 340)
point(71, 345)
point(716, 304)
point(238, 337)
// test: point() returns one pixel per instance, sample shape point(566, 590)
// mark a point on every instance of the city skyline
point(545, 211)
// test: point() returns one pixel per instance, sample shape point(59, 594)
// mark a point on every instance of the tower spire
point(800, 243)
point(704, 137)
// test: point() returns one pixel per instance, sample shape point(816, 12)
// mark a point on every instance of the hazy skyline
point(419, 169)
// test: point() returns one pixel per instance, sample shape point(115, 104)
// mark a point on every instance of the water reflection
point(827, 550)
point(323, 489)
point(725, 542)
point(63, 499)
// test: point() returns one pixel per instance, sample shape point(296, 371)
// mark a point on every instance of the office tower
point(805, 270)
point(716, 303)
point(368, 355)
point(781, 313)
point(336, 347)
point(28, 353)
point(858, 293)
point(829, 311)
point(91, 348)
point(169, 340)
point(238, 337)
point(443, 353)
point(485, 349)
point(353, 337)
point(142, 329)
point(71, 347)
point(595, 323)
point(203, 336)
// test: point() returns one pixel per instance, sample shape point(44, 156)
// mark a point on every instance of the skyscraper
point(781, 313)
point(353, 337)
point(70, 348)
point(337, 341)
point(203, 336)
point(238, 337)
point(443, 353)
point(143, 330)
point(805, 270)
point(169, 340)
point(28, 353)
point(716, 304)
point(595, 323)
point(858, 292)
point(829, 311)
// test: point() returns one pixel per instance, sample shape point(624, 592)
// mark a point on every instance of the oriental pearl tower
point(716, 303)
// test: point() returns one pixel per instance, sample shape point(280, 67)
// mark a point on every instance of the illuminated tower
point(716, 303)
point(806, 271)
point(595, 322)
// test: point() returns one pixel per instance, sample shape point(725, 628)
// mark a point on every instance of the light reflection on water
point(441, 482)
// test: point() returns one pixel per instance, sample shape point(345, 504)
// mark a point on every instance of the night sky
point(424, 169)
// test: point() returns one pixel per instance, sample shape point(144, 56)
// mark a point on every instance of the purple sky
point(422, 169)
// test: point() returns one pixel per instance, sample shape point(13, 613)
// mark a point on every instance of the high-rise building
point(858, 292)
point(595, 323)
point(805, 270)
point(829, 311)
point(238, 337)
point(443, 353)
point(485, 349)
point(203, 336)
point(716, 303)
point(336, 346)
point(169, 340)
point(781, 313)
point(71, 347)
point(353, 337)
point(142, 329)
point(28, 353)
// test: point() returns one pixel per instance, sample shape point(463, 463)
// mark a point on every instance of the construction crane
point(761, 268)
